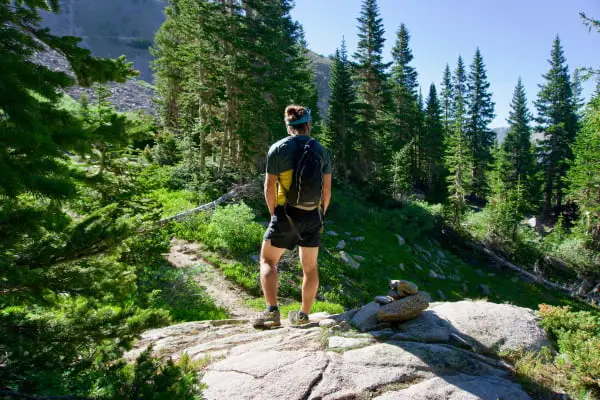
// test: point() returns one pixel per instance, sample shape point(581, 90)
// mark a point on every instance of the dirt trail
point(225, 294)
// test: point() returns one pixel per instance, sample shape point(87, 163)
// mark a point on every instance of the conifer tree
point(370, 77)
point(518, 163)
point(480, 112)
point(67, 309)
point(556, 118)
point(341, 118)
point(433, 144)
point(407, 121)
point(584, 174)
point(370, 70)
point(458, 154)
point(447, 100)
point(577, 88)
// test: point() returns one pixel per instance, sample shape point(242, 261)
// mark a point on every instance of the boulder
point(401, 241)
point(492, 327)
point(401, 266)
point(331, 233)
point(441, 294)
point(428, 357)
point(349, 260)
point(366, 318)
point(404, 288)
point(359, 258)
point(403, 309)
point(341, 244)
point(435, 275)
point(358, 238)
point(383, 300)
point(328, 323)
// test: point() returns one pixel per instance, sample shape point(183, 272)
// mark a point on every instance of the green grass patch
point(285, 307)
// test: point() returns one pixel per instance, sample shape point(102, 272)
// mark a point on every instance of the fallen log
point(505, 263)
point(213, 204)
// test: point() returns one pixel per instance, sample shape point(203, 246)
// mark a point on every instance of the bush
point(575, 253)
point(232, 229)
point(578, 337)
point(174, 202)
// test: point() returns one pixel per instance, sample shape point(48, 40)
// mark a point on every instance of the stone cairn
point(404, 301)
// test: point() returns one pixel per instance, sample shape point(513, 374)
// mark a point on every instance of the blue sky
point(515, 37)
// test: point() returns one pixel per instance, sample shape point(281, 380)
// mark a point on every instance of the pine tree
point(584, 174)
point(341, 119)
point(447, 100)
point(577, 88)
point(370, 70)
point(67, 308)
point(433, 145)
point(480, 112)
point(557, 119)
point(407, 122)
point(370, 77)
point(458, 154)
point(518, 163)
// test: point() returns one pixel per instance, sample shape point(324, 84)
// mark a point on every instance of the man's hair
point(294, 113)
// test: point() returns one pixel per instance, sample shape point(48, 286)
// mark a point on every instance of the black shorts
point(307, 223)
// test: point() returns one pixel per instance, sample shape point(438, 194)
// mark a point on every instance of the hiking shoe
point(267, 319)
point(297, 318)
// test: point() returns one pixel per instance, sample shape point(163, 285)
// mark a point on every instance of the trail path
point(225, 294)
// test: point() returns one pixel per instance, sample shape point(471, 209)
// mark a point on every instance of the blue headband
point(303, 120)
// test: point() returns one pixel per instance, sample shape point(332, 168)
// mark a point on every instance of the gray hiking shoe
point(267, 319)
point(297, 318)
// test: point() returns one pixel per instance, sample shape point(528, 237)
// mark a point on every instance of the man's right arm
point(271, 192)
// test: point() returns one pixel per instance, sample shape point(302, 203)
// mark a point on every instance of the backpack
point(307, 179)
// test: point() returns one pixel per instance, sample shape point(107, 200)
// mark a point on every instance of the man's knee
point(268, 266)
point(309, 268)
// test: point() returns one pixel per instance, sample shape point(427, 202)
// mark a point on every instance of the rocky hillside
point(131, 96)
point(111, 28)
point(448, 352)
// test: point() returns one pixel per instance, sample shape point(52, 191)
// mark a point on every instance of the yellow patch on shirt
point(283, 186)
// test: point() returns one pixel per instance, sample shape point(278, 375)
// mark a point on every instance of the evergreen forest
point(86, 191)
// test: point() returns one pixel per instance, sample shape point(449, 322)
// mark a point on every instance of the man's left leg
point(310, 281)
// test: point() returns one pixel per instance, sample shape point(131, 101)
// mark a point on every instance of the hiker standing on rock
point(297, 192)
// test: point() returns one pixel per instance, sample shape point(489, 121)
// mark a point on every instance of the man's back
point(282, 159)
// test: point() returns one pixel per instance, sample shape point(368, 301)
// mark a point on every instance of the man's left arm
point(326, 191)
point(327, 169)
point(271, 192)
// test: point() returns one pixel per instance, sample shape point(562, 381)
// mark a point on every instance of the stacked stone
point(404, 301)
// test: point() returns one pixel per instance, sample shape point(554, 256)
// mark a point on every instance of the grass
point(285, 307)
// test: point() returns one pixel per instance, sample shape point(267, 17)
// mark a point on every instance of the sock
point(272, 308)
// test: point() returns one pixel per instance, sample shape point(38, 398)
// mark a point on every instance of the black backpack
point(307, 179)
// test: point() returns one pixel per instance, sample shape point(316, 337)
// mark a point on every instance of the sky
point(515, 37)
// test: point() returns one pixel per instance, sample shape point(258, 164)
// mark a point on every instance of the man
point(294, 222)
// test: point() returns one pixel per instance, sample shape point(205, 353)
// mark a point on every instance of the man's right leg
point(269, 256)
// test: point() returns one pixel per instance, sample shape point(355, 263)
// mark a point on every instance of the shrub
point(173, 202)
point(578, 337)
point(232, 229)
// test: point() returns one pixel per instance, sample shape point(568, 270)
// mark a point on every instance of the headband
point(302, 120)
